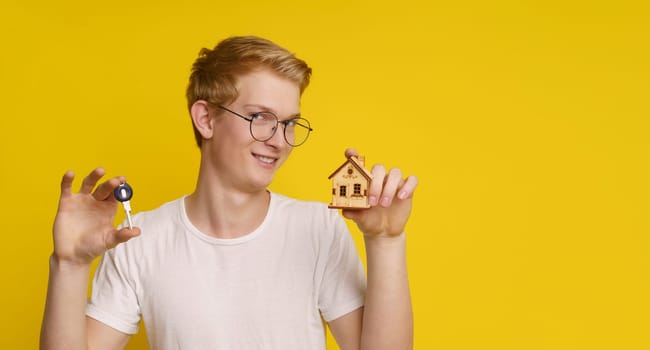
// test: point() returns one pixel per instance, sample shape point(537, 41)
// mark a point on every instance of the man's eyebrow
point(267, 109)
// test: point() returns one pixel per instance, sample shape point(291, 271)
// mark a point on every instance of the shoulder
point(159, 227)
point(301, 209)
point(307, 217)
point(170, 211)
point(161, 223)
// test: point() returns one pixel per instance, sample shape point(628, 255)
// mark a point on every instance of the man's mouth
point(263, 159)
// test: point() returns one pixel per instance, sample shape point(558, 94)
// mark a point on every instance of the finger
point(90, 181)
point(351, 152)
point(105, 190)
point(374, 191)
point(408, 187)
point(390, 187)
point(66, 183)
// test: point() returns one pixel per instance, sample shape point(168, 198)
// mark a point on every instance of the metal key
point(123, 193)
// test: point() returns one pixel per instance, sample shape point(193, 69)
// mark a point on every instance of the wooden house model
point(350, 184)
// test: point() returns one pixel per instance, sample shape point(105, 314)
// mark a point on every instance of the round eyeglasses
point(263, 126)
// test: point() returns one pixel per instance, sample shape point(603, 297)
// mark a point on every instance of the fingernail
point(401, 194)
point(385, 201)
point(372, 200)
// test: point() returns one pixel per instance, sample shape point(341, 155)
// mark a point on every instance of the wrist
point(385, 239)
point(64, 264)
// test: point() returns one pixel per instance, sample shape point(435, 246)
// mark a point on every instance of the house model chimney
point(362, 161)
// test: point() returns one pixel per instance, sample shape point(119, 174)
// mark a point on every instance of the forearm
point(64, 321)
point(388, 316)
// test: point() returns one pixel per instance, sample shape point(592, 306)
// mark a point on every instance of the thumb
point(353, 215)
point(123, 235)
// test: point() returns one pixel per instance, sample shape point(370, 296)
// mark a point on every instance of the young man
point(232, 265)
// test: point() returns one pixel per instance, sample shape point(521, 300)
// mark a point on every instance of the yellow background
point(526, 122)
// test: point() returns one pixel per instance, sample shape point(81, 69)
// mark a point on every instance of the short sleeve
point(343, 284)
point(113, 299)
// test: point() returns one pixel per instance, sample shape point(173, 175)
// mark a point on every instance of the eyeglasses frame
point(277, 121)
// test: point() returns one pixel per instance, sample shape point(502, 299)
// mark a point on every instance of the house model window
point(357, 190)
point(350, 185)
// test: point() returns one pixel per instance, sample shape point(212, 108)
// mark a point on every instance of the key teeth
point(127, 206)
point(128, 218)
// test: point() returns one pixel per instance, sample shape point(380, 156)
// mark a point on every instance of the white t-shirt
point(265, 290)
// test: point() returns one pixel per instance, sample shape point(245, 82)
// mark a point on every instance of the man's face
point(239, 159)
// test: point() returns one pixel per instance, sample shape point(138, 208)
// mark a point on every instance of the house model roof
point(357, 164)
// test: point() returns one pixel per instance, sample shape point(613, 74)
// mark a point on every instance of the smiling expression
point(236, 158)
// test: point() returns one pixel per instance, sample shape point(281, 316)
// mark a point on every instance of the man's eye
point(257, 116)
point(290, 123)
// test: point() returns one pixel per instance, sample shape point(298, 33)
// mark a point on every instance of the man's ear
point(201, 118)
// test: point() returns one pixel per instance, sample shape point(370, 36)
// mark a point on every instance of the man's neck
point(226, 213)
